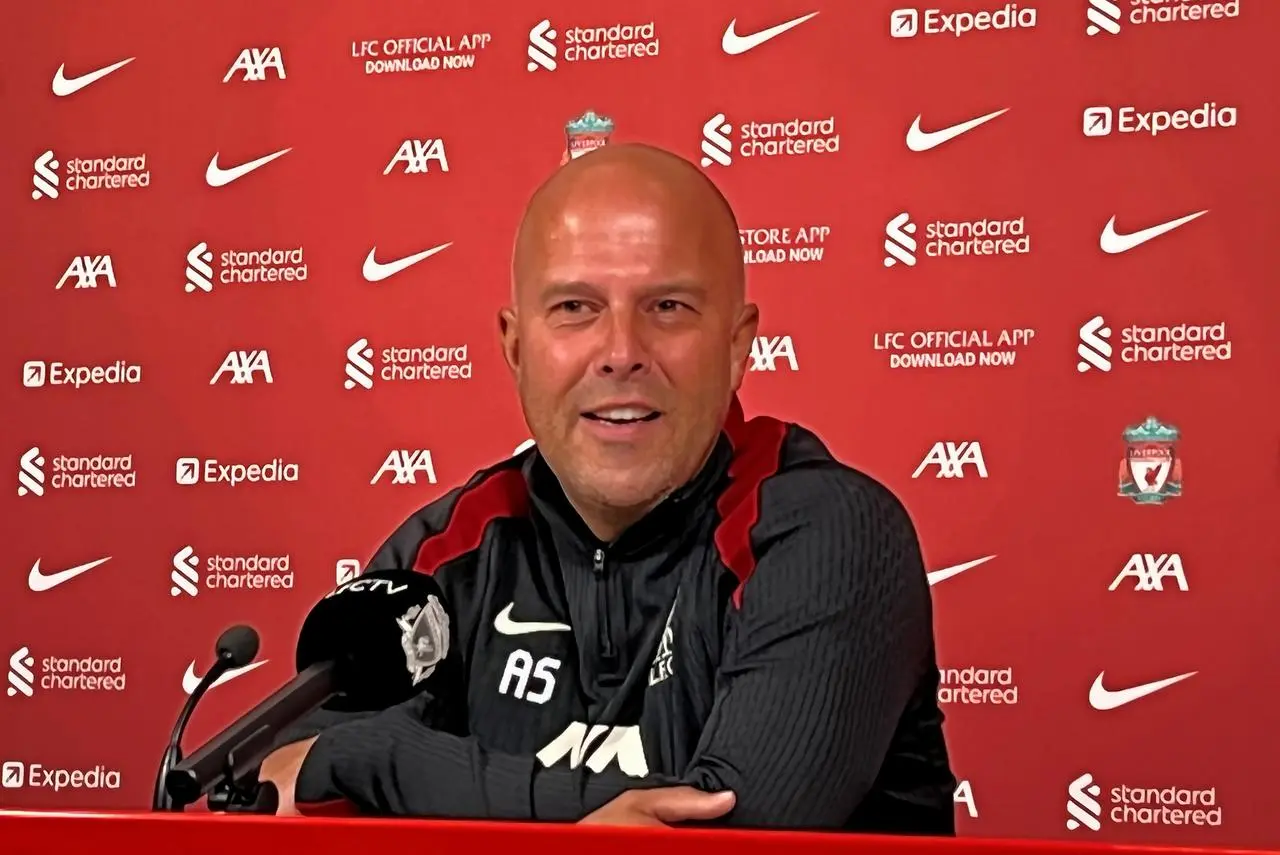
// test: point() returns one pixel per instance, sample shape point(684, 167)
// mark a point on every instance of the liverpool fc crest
point(585, 133)
point(1151, 470)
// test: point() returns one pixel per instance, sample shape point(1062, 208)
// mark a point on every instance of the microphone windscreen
point(239, 644)
point(388, 631)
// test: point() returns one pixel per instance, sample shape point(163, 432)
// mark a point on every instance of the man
point(664, 612)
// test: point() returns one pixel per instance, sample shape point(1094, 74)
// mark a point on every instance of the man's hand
point(661, 806)
point(280, 768)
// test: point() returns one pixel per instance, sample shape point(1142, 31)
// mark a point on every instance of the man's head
point(628, 331)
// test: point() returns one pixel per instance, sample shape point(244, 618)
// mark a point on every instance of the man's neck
point(608, 523)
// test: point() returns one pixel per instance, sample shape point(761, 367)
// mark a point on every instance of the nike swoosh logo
point(376, 272)
point(1104, 699)
point(38, 581)
point(954, 570)
point(64, 86)
point(190, 680)
point(216, 176)
point(1113, 242)
point(506, 626)
point(734, 44)
point(918, 140)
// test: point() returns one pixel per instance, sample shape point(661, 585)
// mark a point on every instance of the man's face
point(628, 340)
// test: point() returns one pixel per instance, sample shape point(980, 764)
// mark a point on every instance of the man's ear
point(744, 334)
point(510, 339)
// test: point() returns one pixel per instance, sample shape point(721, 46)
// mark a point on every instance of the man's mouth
point(622, 415)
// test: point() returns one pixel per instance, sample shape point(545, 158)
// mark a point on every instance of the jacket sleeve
point(822, 652)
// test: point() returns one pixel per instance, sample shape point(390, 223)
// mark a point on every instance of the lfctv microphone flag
point(388, 631)
point(1059, 304)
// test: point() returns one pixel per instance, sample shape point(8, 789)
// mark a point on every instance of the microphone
point(235, 648)
point(367, 645)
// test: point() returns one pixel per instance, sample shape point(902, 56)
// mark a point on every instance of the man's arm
point(820, 659)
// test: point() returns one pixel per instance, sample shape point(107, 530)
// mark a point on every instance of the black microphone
point(367, 645)
point(235, 648)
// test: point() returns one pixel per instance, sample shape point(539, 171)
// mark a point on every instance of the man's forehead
point(637, 206)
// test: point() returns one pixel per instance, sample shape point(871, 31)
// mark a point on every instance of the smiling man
point(665, 612)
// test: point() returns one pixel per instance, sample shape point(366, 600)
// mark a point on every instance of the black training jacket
point(767, 629)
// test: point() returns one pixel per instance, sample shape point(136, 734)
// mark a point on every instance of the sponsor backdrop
point(1012, 261)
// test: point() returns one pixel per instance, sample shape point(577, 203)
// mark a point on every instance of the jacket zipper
point(602, 605)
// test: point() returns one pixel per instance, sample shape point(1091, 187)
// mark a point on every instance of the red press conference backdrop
point(1015, 261)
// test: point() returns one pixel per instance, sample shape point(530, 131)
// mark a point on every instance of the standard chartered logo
point(21, 677)
point(1104, 16)
point(45, 179)
point(716, 145)
point(1083, 807)
point(542, 51)
point(184, 577)
point(359, 365)
point(199, 268)
point(898, 241)
point(228, 572)
point(396, 364)
point(1094, 349)
point(31, 473)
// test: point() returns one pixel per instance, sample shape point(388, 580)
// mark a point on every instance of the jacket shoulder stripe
point(503, 494)
point(757, 454)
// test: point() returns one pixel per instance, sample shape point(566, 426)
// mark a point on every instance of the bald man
point(665, 612)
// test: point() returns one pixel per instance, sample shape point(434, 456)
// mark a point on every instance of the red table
point(54, 832)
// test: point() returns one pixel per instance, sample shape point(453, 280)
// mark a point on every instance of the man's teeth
point(623, 414)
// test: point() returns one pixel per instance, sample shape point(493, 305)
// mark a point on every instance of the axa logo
point(21, 677)
point(183, 576)
point(404, 466)
point(1094, 348)
point(951, 458)
point(767, 350)
point(717, 145)
point(542, 49)
point(1148, 572)
point(416, 156)
point(596, 747)
point(899, 241)
point(1083, 808)
point(241, 366)
point(359, 365)
point(254, 63)
point(31, 473)
point(88, 271)
point(1103, 17)
point(44, 177)
point(963, 795)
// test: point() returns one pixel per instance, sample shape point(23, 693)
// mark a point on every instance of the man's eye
point(570, 306)
point(669, 305)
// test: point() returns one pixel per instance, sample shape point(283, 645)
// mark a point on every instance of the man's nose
point(625, 352)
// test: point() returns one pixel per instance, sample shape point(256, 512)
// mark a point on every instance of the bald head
point(628, 332)
point(633, 185)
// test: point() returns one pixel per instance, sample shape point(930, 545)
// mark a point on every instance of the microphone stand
point(160, 799)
